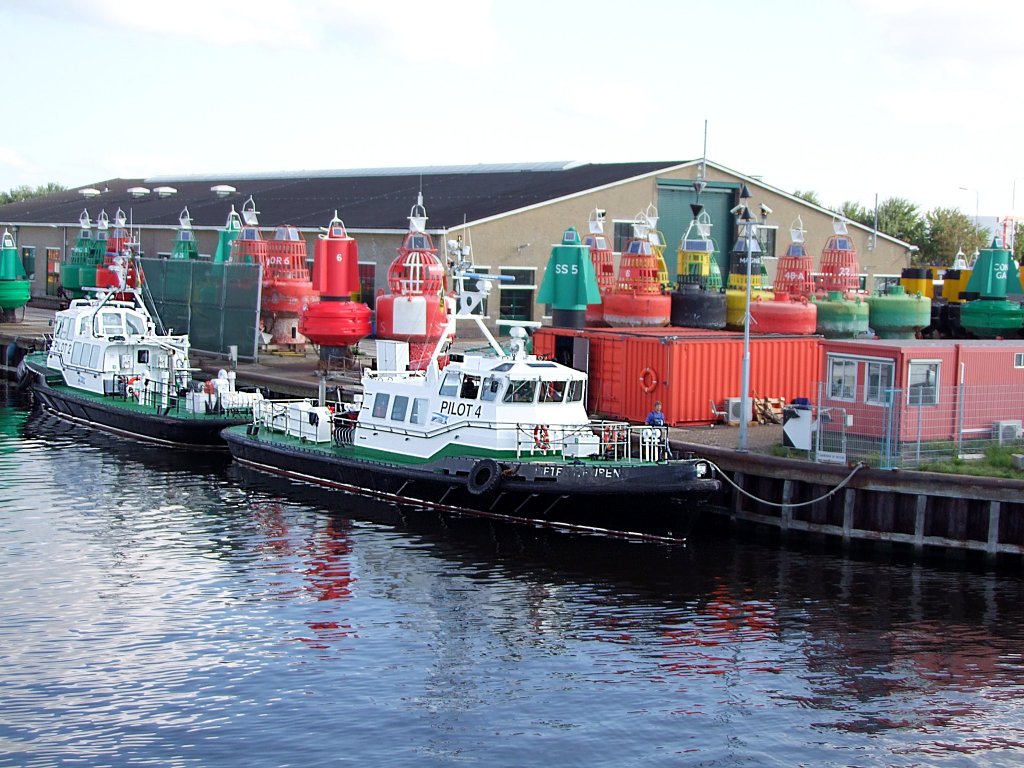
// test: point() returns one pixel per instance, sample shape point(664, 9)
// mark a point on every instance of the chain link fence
point(912, 428)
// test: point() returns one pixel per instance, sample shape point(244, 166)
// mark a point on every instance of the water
point(176, 611)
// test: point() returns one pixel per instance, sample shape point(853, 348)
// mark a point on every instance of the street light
point(748, 225)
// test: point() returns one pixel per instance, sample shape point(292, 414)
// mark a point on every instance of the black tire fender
point(484, 477)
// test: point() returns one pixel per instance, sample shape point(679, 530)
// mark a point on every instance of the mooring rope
point(849, 477)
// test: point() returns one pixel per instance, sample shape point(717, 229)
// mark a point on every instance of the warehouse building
point(511, 215)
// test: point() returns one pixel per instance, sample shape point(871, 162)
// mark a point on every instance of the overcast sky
point(899, 98)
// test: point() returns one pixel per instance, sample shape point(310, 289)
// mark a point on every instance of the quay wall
point(920, 509)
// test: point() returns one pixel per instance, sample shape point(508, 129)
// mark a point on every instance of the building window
point(52, 271)
point(842, 377)
point(367, 283)
point(28, 261)
point(879, 380)
point(517, 296)
point(923, 383)
point(768, 237)
point(622, 234)
point(1018, 360)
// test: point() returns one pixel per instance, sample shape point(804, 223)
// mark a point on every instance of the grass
point(997, 462)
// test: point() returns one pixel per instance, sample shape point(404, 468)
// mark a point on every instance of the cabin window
point(111, 322)
point(380, 405)
point(575, 391)
point(400, 407)
point(842, 378)
point(142, 357)
point(419, 410)
point(76, 353)
point(470, 387)
point(450, 385)
point(83, 326)
point(923, 383)
point(879, 381)
point(94, 358)
point(552, 391)
point(492, 385)
point(136, 326)
point(520, 391)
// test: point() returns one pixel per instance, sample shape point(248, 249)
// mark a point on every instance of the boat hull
point(581, 494)
point(196, 431)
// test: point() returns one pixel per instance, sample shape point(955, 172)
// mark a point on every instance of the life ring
point(484, 477)
point(130, 389)
point(209, 387)
point(541, 438)
point(648, 380)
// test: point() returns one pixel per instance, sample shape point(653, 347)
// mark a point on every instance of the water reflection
point(162, 611)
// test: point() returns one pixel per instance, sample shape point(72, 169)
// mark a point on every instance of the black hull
point(197, 433)
point(647, 502)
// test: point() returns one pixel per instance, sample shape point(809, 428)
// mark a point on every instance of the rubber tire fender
point(484, 477)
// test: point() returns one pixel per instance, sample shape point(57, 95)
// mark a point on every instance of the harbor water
point(175, 610)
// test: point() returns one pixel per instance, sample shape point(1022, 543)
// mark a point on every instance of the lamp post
point(1013, 215)
point(748, 224)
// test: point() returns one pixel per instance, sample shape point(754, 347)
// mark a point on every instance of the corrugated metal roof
point(366, 200)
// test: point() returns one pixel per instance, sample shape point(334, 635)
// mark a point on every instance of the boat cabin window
point(552, 391)
point(399, 408)
point(503, 367)
point(419, 410)
point(450, 385)
point(136, 326)
point(110, 322)
point(492, 385)
point(470, 387)
point(520, 391)
point(76, 353)
point(380, 405)
point(142, 357)
point(94, 358)
point(83, 326)
point(575, 391)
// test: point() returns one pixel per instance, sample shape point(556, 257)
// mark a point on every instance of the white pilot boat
point(107, 366)
point(503, 434)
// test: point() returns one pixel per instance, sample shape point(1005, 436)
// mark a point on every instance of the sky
point(850, 99)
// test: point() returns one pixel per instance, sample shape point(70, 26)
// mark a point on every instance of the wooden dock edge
point(920, 509)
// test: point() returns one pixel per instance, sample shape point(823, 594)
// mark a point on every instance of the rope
point(849, 477)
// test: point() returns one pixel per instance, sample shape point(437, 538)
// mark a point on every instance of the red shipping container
point(686, 368)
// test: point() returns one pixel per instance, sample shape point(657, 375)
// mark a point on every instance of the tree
point(809, 195)
point(949, 230)
point(25, 192)
point(900, 218)
point(857, 212)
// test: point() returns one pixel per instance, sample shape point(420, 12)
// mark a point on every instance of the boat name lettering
point(606, 472)
point(451, 408)
point(551, 471)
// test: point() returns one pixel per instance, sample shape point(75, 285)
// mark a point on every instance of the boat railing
point(608, 440)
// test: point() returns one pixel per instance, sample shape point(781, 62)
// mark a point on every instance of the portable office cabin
point(943, 389)
point(685, 368)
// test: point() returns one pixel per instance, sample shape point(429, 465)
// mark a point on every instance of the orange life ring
point(648, 380)
point(541, 439)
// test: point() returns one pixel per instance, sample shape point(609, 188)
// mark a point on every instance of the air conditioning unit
point(1006, 431)
point(734, 409)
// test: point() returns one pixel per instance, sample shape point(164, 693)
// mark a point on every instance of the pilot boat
point(502, 433)
point(109, 367)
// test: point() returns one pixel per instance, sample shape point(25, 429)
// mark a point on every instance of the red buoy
point(417, 310)
point(118, 268)
point(637, 301)
point(287, 289)
point(339, 319)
